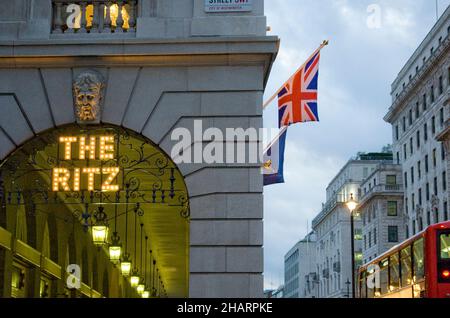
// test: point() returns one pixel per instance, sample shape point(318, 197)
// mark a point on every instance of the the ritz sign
point(90, 149)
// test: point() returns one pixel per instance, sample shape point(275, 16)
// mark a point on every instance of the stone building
point(299, 266)
point(91, 94)
point(381, 211)
point(333, 227)
point(418, 115)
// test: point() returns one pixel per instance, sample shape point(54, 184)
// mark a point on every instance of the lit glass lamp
point(146, 294)
point(352, 204)
point(115, 249)
point(100, 229)
point(125, 265)
point(134, 279)
point(141, 287)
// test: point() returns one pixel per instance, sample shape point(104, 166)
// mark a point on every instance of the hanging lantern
point(146, 294)
point(115, 249)
point(140, 288)
point(134, 279)
point(100, 229)
point(125, 265)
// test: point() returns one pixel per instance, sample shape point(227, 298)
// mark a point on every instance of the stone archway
point(70, 172)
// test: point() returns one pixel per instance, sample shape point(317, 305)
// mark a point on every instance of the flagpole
point(324, 43)
point(276, 138)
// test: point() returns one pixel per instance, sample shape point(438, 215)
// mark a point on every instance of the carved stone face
point(87, 90)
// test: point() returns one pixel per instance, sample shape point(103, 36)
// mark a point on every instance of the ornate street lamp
point(134, 279)
point(352, 205)
point(115, 249)
point(141, 285)
point(125, 265)
point(100, 229)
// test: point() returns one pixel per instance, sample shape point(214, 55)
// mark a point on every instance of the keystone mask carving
point(87, 92)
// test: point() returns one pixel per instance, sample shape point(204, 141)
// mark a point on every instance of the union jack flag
point(297, 100)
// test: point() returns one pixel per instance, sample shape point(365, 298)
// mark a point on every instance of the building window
point(405, 155)
point(411, 146)
point(406, 180)
point(428, 217)
point(441, 117)
point(419, 170)
point(426, 164)
point(442, 152)
point(396, 133)
point(435, 186)
point(375, 236)
point(444, 181)
point(433, 125)
point(434, 158)
point(412, 175)
point(365, 242)
point(410, 117)
point(370, 239)
point(420, 196)
point(417, 111)
point(445, 210)
point(392, 208)
point(406, 206)
point(413, 201)
point(391, 180)
point(404, 124)
point(432, 94)
point(418, 139)
point(420, 224)
point(393, 234)
point(427, 192)
point(441, 85)
point(398, 158)
point(436, 215)
point(424, 102)
point(407, 230)
point(425, 132)
point(414, 227)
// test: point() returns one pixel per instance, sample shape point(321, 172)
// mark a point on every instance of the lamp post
point(351, 205)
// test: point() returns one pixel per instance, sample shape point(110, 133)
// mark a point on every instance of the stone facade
point(300, 277)
point(418, 114)
point(381, 211)
point(180, 65)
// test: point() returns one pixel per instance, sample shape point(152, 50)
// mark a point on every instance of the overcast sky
point(356, 73)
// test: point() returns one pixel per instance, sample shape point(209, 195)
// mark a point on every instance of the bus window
point(394, 271)
point(405, 256)
point(384, 276)
point(444, 246)
point(419, 262)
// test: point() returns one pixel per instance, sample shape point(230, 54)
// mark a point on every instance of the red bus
point(416, 268)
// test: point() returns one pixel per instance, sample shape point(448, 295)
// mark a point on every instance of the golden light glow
point(61, 177)
point(134, 281)
point(100, 234)
point(352, 204)
point(91, 172)
point(76, 180)
point(83, 148)
point(68, 141)
point(106, 148)
point(140, 289)
point(125, 268)
point(115, 252)
point(113, 172)
point(146, 294)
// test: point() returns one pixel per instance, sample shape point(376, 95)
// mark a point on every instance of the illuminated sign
point(228, 5)
point(92, 151)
